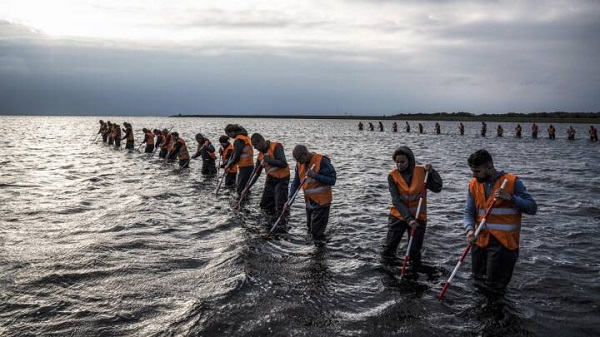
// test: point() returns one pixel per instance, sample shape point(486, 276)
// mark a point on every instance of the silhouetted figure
point(420, 128)
point(534, 131)
point(483, 129)
point(360, 126)
point(461, 129)
point(371, 127)
point(499, 130)
point(593, 133)
point(438, 128)
point(407, 127)
point(551, 132)
point(518, 130)
point(570, 133)
point(380, 126)
point(395, 127)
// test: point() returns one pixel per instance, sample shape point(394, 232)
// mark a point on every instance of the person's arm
point(209, 149)
point(176, 149)
point(278, 159)
point(434, 182)
point(258, 168)
point(522, 200)
point(198, 151)
point(397, 200)
point(327, 174)
point(238, 148)
point(469, 213)
point(295, 182)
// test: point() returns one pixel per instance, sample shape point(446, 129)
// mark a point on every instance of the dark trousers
point(243, 176)
point(209, 167)
point(183, 163)
point(275, 194)
point(163, 154)
point(105, 137)
point(129, 145)
point(493, 266)
point(230, 179)
point(149, 148)
point(316, 221)
point(396, 229)
point(117, 143)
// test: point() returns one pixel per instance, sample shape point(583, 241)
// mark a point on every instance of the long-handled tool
point(288, 204)
point(412, 231)
point(220, 182)
point(470, 244)
point(247, 187)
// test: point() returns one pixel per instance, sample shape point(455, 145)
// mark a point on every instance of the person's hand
point(470, 236)
point(428, 167)
point(311, 173)
point(413, 224)
point(502, 194)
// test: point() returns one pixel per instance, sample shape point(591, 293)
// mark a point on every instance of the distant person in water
point(534, 130)
point(593, 132)
point(570, 133)
point(518, 131)
point(225, 152)
point(128, 138)
point(380, 126)
point(360, 126)
point(159, 139)
point(551, 132)
point(461, 129)
point(438, 128)
point(271, 157)
point(110, 134)
point(405, 183)
point(180, 151)
point(206, 151)
point(148, 140)
point(407, 126)
point(371, 127)
point(242, 157)
point(420, 128)
point(117, 136)
point(166, 145)
point(321, 177)
point(499, 130)
point(495, 251)
point(395, 127)
point(483, 129)
point(103, 130)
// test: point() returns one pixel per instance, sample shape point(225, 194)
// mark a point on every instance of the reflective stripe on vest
point(410, 195)
point(315, 191)
point(274, 171)
point(504, 221)
point(247, 153)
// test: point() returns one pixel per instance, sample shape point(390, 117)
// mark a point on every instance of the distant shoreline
point(538, 117)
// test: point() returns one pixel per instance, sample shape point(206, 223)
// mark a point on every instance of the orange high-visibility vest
point(183, 151)
point(274, 171)
point(410, 195)
point(247, 156)
point(225, 154)
point(504, 220)
point(150, 138)
point(314, 190)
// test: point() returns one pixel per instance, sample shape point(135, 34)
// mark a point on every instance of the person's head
point(258, 141)
point(165, 132)
point(144, 130)
point(200, 138)
point(175, 135)
point(404, 159)
point(101, 122)
point(482, 165)
point(224, 141)
point(301, 154)
point(156, 131)
point(233, 130)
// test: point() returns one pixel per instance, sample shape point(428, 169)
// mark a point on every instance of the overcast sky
point(123, 57)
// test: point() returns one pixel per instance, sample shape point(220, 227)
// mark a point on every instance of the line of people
point(314, 173)
point(494, 252)
point(592, 131)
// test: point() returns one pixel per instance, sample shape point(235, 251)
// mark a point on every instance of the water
point(95, 241)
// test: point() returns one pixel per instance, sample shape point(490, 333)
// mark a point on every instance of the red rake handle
point(468, 248)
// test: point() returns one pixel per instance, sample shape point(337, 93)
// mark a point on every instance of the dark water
point(95, 241)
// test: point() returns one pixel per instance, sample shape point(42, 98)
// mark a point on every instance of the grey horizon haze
point(360, 57)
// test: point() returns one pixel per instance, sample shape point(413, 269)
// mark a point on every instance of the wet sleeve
point(397, 201)
point(522, 200)
point(198, 152)
point(469, 213)
point(434, 182)
point(327, 174)
point(278, 159)
point(238, 148)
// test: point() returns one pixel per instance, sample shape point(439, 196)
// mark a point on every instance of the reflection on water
point(95, 241)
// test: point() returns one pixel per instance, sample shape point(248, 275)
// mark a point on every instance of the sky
point(334, 57)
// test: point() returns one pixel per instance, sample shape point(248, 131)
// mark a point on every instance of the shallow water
point(95, 241)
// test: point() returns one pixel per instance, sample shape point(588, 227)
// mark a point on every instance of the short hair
point(175, 134)
point(223, 139)
point(257, 137)
point(299, 150)
point(480, 157)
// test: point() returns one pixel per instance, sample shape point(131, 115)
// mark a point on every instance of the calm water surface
point(95, 241)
